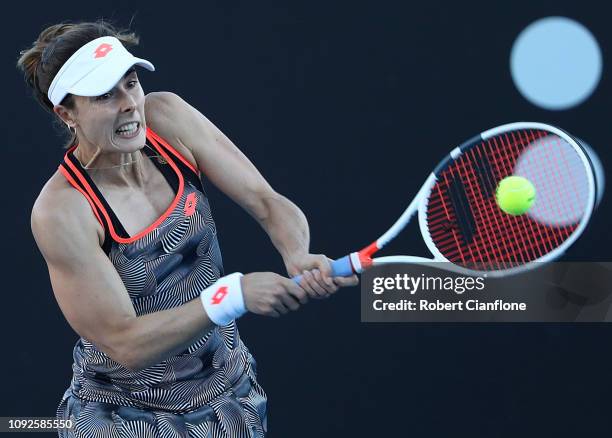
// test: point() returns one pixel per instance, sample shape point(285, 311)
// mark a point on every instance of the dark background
point(344, 107)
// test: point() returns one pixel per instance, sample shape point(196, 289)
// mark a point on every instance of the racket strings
point(506, 164)
point(468, 227)
point(546, 162)
point(491, 231)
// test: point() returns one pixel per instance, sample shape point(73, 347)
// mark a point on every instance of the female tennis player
point(126, 231)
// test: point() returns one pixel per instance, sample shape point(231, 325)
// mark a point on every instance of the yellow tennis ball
point(515, 195)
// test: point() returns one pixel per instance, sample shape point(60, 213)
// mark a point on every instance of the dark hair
point(41, 62)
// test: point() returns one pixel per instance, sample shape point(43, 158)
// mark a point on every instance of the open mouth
point(128, 130)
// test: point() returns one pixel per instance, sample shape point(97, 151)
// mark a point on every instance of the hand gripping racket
point(461, 222)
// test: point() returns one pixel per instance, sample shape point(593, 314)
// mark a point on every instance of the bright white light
point(556, 63)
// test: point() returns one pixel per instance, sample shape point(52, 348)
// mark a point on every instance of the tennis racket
point(461, 222)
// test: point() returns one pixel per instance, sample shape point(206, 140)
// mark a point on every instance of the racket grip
point(340, 268)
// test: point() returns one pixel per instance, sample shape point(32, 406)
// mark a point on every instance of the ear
point(65, 114)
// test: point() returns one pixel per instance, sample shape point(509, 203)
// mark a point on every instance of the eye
point(104, 96)
point(132, 83)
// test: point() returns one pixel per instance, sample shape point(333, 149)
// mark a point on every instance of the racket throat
point(362, 260)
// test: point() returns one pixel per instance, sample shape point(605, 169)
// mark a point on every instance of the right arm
point(96, 304)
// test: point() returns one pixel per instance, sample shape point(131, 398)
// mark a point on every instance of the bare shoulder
point(60, 208)
point(164, 114)
point(162, 102)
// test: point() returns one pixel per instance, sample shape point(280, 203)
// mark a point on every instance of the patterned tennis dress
point(208, 390)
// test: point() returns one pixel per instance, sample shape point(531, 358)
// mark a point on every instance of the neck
point(121, 169)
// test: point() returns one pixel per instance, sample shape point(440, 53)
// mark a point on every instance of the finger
point(293, 272)
point(290, 302)
point(321, 284)
point(318, 278)
point(324, 265)
point(353, 280)
point(279, 306)
point(331, 279)
point(305, 285)
point(296, 291)
point(313, 288)
point(314, 284)
point(329, 288)
point(273, 313)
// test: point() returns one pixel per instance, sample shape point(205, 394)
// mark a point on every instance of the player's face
point(114, 121)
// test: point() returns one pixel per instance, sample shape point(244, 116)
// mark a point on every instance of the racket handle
point(340, 268)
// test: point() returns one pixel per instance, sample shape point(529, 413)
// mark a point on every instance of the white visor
point(94, 69)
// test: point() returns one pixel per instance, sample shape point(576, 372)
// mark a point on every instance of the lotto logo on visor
point(94, 69)
point(103, 50)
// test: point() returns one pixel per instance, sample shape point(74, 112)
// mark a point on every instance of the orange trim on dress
point(151, 227)
point(173, 151)
point(76, 186)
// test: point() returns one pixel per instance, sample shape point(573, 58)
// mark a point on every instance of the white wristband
point(223, 300)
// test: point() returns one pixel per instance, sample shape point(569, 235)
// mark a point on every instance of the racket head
point(459, 217)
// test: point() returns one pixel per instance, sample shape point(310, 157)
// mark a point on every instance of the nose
point(128, 102)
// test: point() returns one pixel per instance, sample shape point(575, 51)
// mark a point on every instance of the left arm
point(234, 174)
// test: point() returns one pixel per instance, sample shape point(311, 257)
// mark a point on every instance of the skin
point(88, 289)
